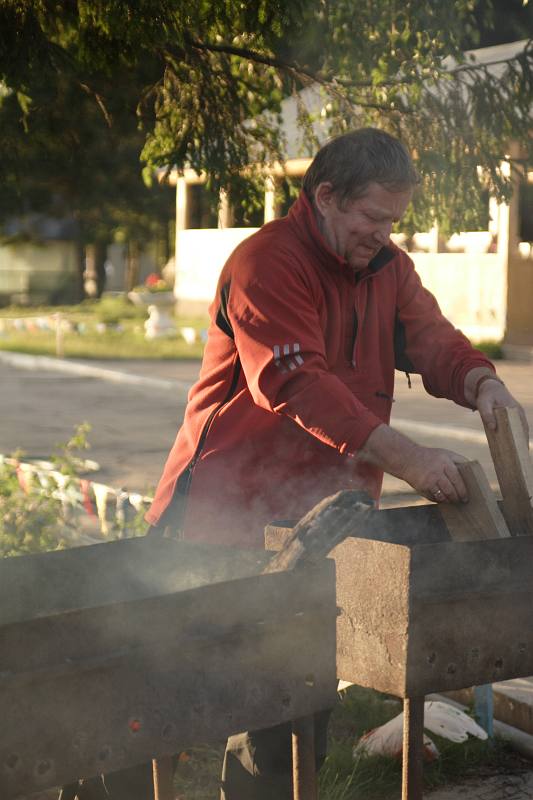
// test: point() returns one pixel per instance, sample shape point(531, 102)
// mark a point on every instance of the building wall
point(200, 256)
point(471, 289)
point(520, 301)
point(37, 271)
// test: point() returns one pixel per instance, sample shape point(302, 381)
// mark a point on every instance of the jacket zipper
point(359, 318)
point(188, 471)
point(354, 336)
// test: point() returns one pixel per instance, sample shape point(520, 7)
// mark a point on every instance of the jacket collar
point(302, 217)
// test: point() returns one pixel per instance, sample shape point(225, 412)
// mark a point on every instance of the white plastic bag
point(439, 718)
point(450, 722)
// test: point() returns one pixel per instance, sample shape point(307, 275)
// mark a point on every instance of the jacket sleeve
point(274, 313)
point(438, 351)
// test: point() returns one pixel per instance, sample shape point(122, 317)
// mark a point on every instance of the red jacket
point(298, 370)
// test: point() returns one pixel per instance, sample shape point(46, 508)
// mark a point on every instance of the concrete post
point(272, 206)
point(225, 211)
point(182, 202)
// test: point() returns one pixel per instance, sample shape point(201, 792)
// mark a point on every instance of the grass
point(492, 349)
point(198, 773)
point(379, 778)
point(111, 328)
point(123, 337)
point(366, 778)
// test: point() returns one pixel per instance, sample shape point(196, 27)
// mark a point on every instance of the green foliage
point(33, 515)
point(201, 85)
point(491, 349)
point(62, 157)
point(66, 460)
point(113, 310)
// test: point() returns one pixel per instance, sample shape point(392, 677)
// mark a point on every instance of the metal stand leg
point(303, 759)
point(413, 748)
point(163, 778)
point(484, 707)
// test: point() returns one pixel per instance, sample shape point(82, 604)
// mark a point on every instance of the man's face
point(359, 231)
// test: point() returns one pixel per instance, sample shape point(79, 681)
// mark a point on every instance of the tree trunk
point(133, 265)
point(80, 251)
point(100, 258)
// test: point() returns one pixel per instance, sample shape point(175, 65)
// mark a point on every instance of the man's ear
point(324, 197)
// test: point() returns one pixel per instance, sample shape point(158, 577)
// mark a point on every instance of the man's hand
point(431, 471)
point(493, 395)
point(489, 394)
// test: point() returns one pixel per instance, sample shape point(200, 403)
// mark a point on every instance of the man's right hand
point(431, 471)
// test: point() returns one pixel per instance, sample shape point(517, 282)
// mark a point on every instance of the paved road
point(133, 425)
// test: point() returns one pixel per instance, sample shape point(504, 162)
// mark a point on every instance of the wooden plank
point(304, 778)
point(480, 517)
point(322, 529)
point(510, 452)
point(163, 772)
point(413, 748)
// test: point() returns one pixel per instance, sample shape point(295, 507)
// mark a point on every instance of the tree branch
point(91, 92)
point(330, 81)
point(333, 84)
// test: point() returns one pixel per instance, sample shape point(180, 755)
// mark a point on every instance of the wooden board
point(510, 452)
point(322, 529)
point(480, 518)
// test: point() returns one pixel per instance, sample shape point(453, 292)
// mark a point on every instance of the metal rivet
point(12, 761)
point(452, 669)
point(104, 753)
point(432, 658)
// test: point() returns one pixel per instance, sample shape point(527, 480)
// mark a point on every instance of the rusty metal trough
point(419, 613)
point(114, 654)
point(117, 653)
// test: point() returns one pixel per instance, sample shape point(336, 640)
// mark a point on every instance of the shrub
point(34, 513)
point(491, 349)
point(111, 310)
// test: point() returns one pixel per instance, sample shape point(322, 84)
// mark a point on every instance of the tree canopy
point(201, 84)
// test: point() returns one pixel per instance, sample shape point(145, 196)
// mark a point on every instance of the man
point(313, 314)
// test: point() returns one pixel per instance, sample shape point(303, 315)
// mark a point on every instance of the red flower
point(152, 279)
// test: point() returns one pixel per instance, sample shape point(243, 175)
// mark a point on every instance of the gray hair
point(354, 160)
